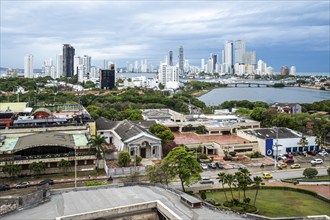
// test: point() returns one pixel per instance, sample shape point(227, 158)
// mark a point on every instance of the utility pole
point(276, 146)
point(75, 167)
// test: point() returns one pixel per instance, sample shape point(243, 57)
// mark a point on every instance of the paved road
point(277, 175)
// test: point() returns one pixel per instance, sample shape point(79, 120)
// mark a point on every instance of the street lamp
point(75, 167)
point(276, 146)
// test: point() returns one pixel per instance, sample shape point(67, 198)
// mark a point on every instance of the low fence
point(122, 171)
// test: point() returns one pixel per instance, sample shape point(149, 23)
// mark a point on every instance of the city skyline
point(291, 33)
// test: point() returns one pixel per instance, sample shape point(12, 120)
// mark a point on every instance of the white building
point(28, 66)
point(130, 136)
point(239, 51)
point(229, 55)
point(262, 65)
point(285, 139)
point(59, 66)
point(168, 74)
point(293, 70)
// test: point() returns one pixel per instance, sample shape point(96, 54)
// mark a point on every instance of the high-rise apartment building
point(239, 51)
point(59, 65)
point(250, 58)
point(68, 60)
point(214, 62)
point(167, 73)
point(181, 60)
point(229, 55)
point(28, 66)
point(170, 58)
point(107, 77)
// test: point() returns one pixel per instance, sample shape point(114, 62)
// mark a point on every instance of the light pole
point(75, 167)
point(276, 146)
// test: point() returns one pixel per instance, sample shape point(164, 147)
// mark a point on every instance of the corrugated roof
point(13, 106)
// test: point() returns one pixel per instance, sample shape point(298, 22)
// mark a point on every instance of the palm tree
point(230, 180)
point(12, 169)
point(303, 141)
point(257, 180)
point(245, 180)
point(221, 177)
point(96, 142)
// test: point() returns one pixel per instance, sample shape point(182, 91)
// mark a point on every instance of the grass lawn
point(281, 203)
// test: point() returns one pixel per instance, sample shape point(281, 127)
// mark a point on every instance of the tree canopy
point(185, 165)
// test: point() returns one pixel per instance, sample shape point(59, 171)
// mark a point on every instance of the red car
point(288, 160)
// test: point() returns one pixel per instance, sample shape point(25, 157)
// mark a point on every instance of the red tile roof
point(192, 138)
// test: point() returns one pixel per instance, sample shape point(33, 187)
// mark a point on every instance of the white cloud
point(148, 29)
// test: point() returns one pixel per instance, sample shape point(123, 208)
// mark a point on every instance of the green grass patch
point(95, 183)
point(280, 203)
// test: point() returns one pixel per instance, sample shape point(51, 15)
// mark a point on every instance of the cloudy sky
point(281, 32)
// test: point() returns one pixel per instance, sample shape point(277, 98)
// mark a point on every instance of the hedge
point(95, 183)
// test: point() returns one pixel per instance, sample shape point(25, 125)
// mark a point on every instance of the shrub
point(202, 156)
point(124, 159)
point(232, 153)
point(138, 160)
point(310, 173)
point(227, 157)
point(95, 183)
point(247, 200)
point(203, 195)
point(256, 154)
point(328, 171)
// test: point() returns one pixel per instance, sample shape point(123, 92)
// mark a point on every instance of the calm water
point(264, 94)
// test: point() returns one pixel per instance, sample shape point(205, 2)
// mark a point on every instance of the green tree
point(185, 165)
point(243, 180)
point(160, 173)
point(230, 181)
point(221, 177)
point(65, 165)
point(257, 180)
point(37, 167)
point(12, 169)
point(96, 142)
point(124, 159)
point(310, 173)
point(258, 113)
point(163, 132)
point(303, 141)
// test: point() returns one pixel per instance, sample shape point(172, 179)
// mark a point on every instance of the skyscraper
point(68, 60)
point(181, 60)
point(229, 55)
point(239, 51)
point(28, 66)
point(170, 58)
point(214, 62)
point(107, 77)
point(59, 65)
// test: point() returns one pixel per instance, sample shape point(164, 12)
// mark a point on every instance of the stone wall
point(12, 203)
point(8, 204)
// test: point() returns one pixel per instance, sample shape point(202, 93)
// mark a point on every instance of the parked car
point(212, 165)
point(295, 166)
point(4, 187)
point(204, 166)
point(24, 184)
point(235, 166)
point(267, 176)
point(316, 161)
point(282, 165)
point(206, 180)
point(289, 155)
point(46, 182)
point(219, 165)
point(313, 152)
point(288, 160)
point(323, 153)
point(281, 158)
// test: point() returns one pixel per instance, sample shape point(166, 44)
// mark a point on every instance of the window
point(132, 152)
point(110, 140)
point(153, 150)
point(101, 132)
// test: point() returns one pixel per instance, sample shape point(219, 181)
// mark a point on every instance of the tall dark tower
point(68, 59)
point(181, 60)
point(107, 77)
point(171, 58)
point(215, 61)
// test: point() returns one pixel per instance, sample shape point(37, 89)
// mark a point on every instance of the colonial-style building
point(130, 136)
point(289, 108)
